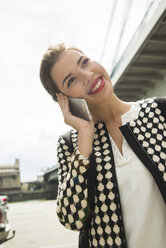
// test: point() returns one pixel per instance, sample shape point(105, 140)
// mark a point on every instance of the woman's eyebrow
point(66, 78)
point(78, 62)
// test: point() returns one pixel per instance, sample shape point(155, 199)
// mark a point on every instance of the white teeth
point(97, 85)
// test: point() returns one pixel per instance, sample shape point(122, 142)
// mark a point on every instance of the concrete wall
point(25, 196)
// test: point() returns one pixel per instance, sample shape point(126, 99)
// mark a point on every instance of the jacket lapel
point(108, 221)
point(147, 137)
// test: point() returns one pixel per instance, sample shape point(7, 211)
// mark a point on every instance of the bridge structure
point(141, 70)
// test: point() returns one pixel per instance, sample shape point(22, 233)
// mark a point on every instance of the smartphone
point(79, 108)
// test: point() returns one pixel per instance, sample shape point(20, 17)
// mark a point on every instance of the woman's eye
point(85, 61)
point(71, 80)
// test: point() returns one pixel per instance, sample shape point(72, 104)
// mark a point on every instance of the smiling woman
point(111, 164)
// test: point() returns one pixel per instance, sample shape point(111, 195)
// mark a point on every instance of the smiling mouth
point(97, 86)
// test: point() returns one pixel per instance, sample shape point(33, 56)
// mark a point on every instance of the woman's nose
point(87, 77)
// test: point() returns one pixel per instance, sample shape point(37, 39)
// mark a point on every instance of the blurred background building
point(10, 178)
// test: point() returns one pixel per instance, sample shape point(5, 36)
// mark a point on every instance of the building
point(10, 178)
point(51, 182)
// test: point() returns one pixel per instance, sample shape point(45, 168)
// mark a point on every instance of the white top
point(144, 210)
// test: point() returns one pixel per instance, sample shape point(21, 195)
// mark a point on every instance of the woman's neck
point(110, 110)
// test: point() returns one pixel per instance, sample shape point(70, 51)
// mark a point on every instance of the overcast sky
point(31, 121)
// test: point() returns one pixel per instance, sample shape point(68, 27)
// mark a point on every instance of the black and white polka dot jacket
point(88, 196)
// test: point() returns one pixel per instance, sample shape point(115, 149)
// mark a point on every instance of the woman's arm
point(74, 171)
point(72, 201)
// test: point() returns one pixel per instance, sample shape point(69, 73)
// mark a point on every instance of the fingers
point(64, 105)
point(63, 102)
point(69, 119)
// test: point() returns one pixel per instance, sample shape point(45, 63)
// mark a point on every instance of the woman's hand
point(85, 128)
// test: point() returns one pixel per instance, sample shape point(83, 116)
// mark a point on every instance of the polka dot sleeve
point(72, 204)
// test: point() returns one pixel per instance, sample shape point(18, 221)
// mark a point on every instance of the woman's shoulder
point(70, 138)
point(151, 101)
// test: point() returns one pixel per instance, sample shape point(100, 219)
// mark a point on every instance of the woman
point(112, 175)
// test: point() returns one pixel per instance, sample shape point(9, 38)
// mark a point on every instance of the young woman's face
point(76, 75)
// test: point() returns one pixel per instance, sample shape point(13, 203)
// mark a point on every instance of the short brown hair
point(50, 58)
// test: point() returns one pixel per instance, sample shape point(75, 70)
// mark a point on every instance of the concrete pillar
point(17, 162)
